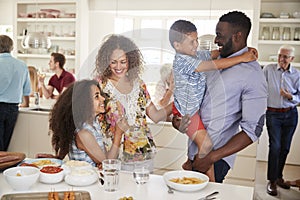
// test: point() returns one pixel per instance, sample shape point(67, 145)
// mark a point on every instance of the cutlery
point(170, 190)
point(210, 196)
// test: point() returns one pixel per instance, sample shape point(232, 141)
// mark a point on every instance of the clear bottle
point(265, 34)
point(286, 34)
point(275, 33)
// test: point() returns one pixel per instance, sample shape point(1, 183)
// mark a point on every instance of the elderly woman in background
point(164, 88)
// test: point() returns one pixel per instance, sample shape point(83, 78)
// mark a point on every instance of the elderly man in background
point(282, 115)
point(14, 84)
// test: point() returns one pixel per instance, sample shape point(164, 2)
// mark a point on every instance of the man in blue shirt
point(14, 84)
point(233, 100)
point(282, 115)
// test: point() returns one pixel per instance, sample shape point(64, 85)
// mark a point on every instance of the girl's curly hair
point(133, 54)
point(73, 108)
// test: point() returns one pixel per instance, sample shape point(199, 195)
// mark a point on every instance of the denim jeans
point(8, 118)
point(281, 128)
point(221, 168)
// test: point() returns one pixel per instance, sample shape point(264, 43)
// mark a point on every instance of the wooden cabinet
point(268, 41)
point(59, 21)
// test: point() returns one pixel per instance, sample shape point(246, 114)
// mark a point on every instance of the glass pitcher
point(265, 34)
point(275, 33)
point(286, 34)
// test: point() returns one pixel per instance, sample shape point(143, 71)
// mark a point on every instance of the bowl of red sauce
point(51, 174)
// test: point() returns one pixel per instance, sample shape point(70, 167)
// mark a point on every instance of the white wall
point(6, 10)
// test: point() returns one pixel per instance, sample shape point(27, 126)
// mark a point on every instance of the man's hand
point(203, 164)
point(181, 123)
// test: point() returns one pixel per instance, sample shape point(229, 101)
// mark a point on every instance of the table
point(154, 189)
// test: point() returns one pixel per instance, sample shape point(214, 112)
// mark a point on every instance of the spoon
point(170, 190)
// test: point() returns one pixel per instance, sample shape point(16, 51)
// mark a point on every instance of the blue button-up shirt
point(278, 78)
point(236, 98)
point(14, 79)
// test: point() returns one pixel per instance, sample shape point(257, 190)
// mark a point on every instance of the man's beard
point(227, 49)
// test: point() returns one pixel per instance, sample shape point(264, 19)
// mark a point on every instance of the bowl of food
point(81, 177)
point(21, 178)
point(51, 174)
point(185, 181)
point(70, 165)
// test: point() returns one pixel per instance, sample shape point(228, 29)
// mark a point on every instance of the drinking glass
point(286, 34)
point(275, 33)
point(297, 34)
point(141, 175)
point(265, 35)
point(111, 168)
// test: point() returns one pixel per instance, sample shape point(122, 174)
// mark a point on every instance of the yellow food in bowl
point(187, 180)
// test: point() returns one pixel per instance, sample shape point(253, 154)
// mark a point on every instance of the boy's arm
point(224, 63)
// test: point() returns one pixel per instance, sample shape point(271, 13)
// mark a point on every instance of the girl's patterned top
point(78, 154)
point(138, 144)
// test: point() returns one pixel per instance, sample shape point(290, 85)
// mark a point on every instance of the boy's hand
point(214, 54)
point(253, 50)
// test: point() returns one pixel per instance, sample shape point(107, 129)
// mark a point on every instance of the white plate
point(42, 162)
point(185, 187)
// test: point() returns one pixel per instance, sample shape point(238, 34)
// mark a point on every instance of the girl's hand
point(249, 56)
point(214, 54)
point(253, 50)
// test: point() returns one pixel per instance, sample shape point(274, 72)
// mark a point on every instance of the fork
point(210, 196)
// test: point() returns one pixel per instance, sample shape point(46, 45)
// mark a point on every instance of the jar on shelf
point(286, 33)
point(275, 33)
point(265, 34)
point(297, 34)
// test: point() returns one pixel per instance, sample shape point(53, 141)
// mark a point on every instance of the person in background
point(75, 125)
point(233, 108)
point(282, 115)
point(60, 80)
point(14, 85)
point(119, 63)
point(34, 81)
point(164, 88)
point(190, 81)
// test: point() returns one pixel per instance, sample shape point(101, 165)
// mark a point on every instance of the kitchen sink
point(41, 109)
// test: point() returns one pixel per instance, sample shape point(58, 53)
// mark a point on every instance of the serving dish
point(187, 174)
point(21, 178)
point(79, 195)
point(42, 162)
point(9, 159)
point(51, 174)
point(82, 177)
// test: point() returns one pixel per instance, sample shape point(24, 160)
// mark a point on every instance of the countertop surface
point(154, 189)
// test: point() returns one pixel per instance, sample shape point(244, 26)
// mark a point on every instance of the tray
point(79, 195)
point(19, 157)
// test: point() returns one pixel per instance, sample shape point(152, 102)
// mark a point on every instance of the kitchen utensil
point(210, 196)
point(170, 190)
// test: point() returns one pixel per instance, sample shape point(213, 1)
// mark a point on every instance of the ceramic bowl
point(51, 174)
point(168, 176)
point(70, 165)
point(81, 177)
point(21, 178)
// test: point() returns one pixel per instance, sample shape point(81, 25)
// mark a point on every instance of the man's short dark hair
point(239, 22)
point(179, 29)
point(60, 58)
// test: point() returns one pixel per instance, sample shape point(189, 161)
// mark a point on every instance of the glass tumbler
point(286, 34)
point(265, 34)
point(275, 33)
point(297, 34)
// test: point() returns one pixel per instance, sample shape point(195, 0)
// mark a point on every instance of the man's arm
point(25, 102)
point(234, 145)
point(47, 91)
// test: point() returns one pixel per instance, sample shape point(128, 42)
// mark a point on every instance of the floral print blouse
point(138, 144)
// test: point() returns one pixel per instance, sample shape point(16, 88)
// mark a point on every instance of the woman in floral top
point(119, 64)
